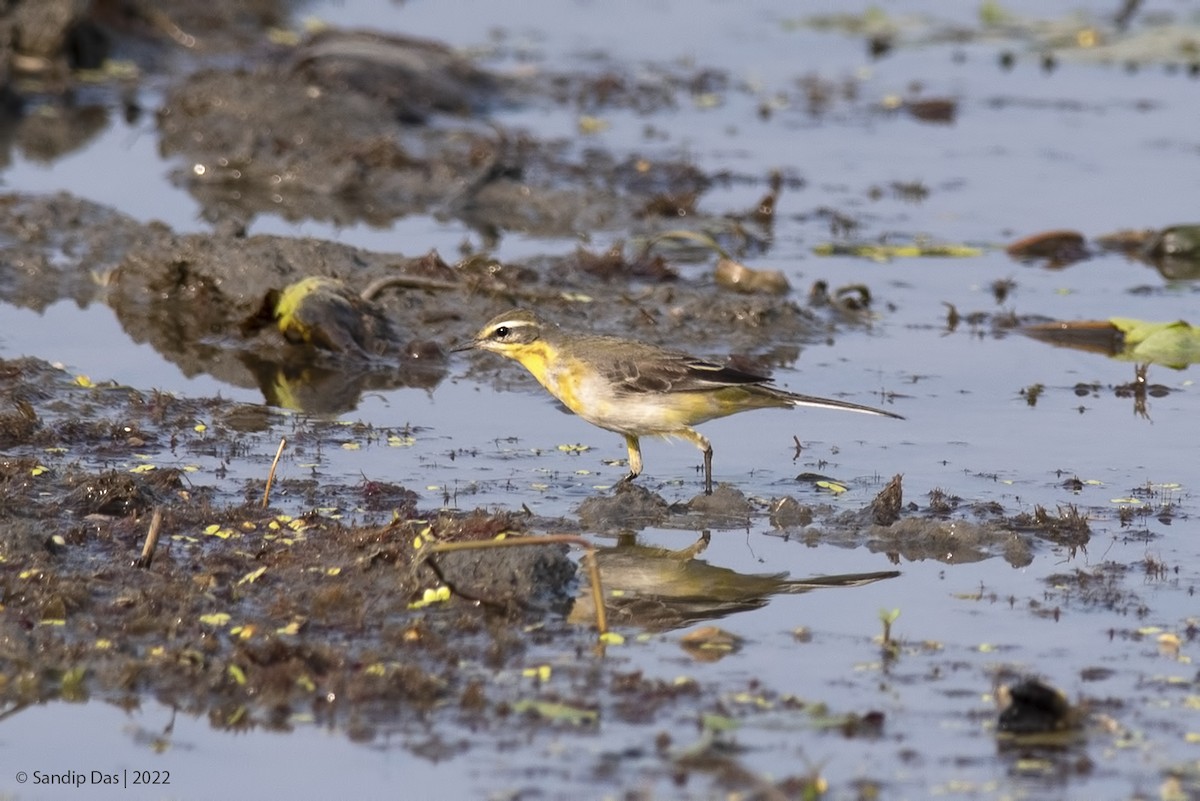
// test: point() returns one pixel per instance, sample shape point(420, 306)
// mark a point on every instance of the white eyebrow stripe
point(513, 324)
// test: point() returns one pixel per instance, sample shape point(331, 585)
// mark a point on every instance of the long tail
point(828, 403)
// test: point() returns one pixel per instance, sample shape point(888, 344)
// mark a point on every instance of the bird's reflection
point(658, 589)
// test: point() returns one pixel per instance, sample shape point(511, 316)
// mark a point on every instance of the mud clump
point(537, 577)
point(630, 507)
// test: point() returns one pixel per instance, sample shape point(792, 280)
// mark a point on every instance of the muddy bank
point(243, 611)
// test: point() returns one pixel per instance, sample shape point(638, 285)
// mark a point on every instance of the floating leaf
point(889, 252)
point(557, 711)
point(718, 723)
point(1174, 344)
point(592, 125)
point(1171, 344)
point(541, 672)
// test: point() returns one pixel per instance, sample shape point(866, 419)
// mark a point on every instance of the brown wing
point(656, 370)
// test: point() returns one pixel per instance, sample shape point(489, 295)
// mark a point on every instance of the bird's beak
point(470, 345)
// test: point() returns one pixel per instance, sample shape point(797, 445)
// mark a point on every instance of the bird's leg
point(701, 442)
point(635, 458)
point(707, 469)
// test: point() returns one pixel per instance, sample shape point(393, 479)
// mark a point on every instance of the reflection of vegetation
point(1173, 344)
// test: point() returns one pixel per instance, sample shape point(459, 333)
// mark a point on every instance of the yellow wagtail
point(634, 388)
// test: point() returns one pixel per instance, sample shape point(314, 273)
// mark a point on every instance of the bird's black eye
point(501, 332)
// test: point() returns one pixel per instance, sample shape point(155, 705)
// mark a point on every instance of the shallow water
point(1089, 146)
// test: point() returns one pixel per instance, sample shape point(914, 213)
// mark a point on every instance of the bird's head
point(508, 334)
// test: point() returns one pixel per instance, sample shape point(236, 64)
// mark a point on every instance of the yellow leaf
point(592, 125)
point(553, 710)
point(252, 576)
point(541, 672)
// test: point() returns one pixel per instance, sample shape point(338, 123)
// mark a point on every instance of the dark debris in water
point(945, 529)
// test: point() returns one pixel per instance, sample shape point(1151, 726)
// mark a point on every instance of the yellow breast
point(561, 376)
